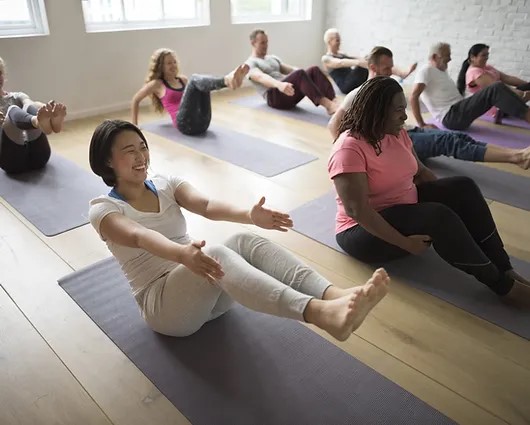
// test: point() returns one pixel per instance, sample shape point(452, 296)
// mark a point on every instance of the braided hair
point(368, 112)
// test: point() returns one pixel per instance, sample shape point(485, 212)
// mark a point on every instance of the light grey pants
point(258, 274)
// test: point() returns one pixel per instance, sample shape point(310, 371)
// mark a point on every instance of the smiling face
point(481, 59)
point(396, 115)
point(129, 158)
point(169, 66)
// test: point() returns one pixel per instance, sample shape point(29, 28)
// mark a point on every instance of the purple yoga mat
point(508, 121)
point(497, 135)
point(246, 368)
point(428, 272)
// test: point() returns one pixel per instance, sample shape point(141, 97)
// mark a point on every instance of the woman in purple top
point(186, 101)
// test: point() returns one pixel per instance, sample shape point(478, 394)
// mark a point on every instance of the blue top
point(148, 184)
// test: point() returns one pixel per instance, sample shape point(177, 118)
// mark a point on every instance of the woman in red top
point(390, 205)
point(186, 101)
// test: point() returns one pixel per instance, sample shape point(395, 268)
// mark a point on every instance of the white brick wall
point(409, 27)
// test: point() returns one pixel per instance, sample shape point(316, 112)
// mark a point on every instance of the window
point(118, 15)
point(254, 11)
point(22, 18)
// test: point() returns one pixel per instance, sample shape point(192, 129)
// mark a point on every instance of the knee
point(219, 252)
point(313, 70)
point(464, 185)
point(498, 86)
point(440, 218)
point(242, 240)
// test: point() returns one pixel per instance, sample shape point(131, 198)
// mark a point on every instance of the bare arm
point(404, 73)
point(334, 122)
point(352, 189)
point(286, 68)
point(415, 103)
point(512, 80)
point(334, 63)
point(486, 80)
point(260, 77)
point(191, 199)
point(152, 87)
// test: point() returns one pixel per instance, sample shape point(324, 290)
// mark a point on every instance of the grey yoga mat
point(501, 186)
point(54, 199)
point(429, 273)
point(246, 367)
point(304, 111)
point(252, 153)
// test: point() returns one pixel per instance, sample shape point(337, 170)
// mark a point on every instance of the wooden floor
point(57, 367)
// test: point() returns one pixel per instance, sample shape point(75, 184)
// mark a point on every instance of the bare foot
point(58, 114)
point(330, 105)
point(519, 296)
point(524, 161)
point(44, 115)
point(516, 276)
point(334, 292)
point(234, 80)
point(341, 316)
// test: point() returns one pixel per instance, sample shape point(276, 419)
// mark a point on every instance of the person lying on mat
point(429, 142)
point(283, 86)
point(186, 101)
point(349, 72)
point(445, 103)
point(24, 124)
point(390, 205)
point(475, 74)
point(181, 283)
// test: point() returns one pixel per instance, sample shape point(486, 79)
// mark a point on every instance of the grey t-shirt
point(269, 65)
point(12, 98)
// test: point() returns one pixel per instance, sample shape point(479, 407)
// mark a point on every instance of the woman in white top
point(180, 283)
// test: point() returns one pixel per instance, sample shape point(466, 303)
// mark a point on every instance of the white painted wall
point(409, 27)
point(100, 72)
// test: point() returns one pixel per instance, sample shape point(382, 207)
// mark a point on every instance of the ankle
point(313, 311)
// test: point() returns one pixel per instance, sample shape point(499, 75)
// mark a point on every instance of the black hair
point(474, 51)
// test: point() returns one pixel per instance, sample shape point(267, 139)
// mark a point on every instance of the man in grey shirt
point(282, 85)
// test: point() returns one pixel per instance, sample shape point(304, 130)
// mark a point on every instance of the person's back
point(440, 91)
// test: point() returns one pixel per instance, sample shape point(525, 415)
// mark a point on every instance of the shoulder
point(167, 183)
point(474, 72)
point(184, 78)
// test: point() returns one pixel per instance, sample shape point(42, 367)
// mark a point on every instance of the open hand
point(200, 263)
point(269, 219)
point(286, 88)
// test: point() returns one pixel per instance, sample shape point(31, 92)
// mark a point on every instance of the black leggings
point(453, 212)
point(348, 79)
point(195, 111)
point(19, 151)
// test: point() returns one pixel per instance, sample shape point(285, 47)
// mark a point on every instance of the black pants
point(463, 113)
point(348, 79)
point(453, 212)
point(20, 157)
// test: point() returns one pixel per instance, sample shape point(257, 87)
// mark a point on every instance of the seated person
point(431, 142)
point(475, 74)
point(283, 86)
point(24, 124)
point(389, 205)
point(186, 101)
point(348, 72)
point(443, 100)
point(180, 283)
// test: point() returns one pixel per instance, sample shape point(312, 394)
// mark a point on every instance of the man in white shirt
point(282, 85)
point(445, 103)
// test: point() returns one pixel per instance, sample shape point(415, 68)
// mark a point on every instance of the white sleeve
point(173, 183)
point(99, 209)
point(422, 76)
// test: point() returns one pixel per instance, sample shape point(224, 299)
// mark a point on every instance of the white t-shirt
point(269, 65)
point(440, 91)
point(139, 266)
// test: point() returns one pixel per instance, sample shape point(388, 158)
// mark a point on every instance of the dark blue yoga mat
point(245, 367)
point(429, 273)
point(251, 153)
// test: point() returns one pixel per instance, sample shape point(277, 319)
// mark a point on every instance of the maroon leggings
point(310, 82)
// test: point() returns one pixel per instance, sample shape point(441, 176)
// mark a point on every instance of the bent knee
point(239, 241)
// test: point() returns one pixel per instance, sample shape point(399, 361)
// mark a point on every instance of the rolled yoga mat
point(304, 111)
point(428, 272)
point(246, 367)
point(54, 199)
point(497, 185)
point(251, 153)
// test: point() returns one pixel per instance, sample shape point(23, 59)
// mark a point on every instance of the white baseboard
point(91, 112)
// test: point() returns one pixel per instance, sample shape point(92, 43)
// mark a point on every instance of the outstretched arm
point(191, 199)
point(511, 80)
point(333, 63)
point(404, 73)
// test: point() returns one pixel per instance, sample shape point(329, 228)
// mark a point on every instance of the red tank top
point(172, 98)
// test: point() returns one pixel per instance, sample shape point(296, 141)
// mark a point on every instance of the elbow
point(356, 211)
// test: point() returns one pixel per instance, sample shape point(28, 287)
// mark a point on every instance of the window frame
point(37, 27)
point(304, 15)
point(203, 6)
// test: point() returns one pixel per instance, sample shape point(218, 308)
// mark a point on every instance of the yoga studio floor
point(58, 367)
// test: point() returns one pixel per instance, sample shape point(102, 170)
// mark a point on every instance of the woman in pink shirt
point(186, 101)
point(475, 74)
point(390, 205)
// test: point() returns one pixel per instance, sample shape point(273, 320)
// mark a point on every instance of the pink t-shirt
point(474, 72)
point(390, 174)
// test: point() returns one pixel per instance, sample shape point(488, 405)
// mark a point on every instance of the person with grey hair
point(445, 103)
point(347, 71)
